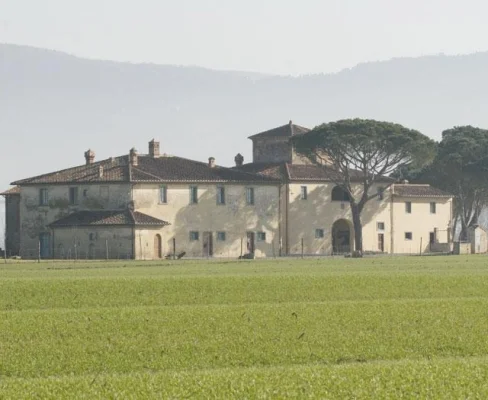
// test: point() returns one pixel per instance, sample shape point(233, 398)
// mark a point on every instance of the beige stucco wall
point(318, 211)
point(420, 222)
point(34, 218)
point(478, 238)
point(235, 218)
point(112, 242)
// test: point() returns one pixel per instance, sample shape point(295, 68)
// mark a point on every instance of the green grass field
point(413, 327)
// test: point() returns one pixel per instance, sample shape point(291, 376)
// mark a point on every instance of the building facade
point(153, 206)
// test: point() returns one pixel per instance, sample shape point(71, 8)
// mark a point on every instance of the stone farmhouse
point(155, 205)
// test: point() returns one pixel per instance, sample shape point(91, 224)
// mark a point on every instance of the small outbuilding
point(478, 238)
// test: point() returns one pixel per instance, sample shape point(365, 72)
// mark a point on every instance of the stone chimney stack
point(89, 157)
point(100, 171)
point(239, 159)
point(154, 149)
point(133, 157)
point(211, 162)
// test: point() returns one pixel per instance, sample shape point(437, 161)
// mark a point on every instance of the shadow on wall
point(318, 214)
point(235, 219)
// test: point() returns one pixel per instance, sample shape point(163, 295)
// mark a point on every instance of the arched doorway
point(342, 237)
point(158, 247)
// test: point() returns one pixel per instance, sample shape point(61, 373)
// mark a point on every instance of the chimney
point(154, 149)
point(239, 159)
point(211, 162)
point(100, 171)
point(133, 158)
point(89, 157)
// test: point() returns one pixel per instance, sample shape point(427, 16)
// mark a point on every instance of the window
point(380, 226)
point(433, 208)
point(303, 193)
point(408, 207)
point(339, 194)
point(85, 193)
point(163, 194)
point(319, 233)
point(43, 197)
point(104, 192)
point(381, 193)
point(92, 236)
point(193, 195)
point(73, 195)
point(221, 236)
point(250, 196)
point(220, 195)
point(194, 236)
point(261, 236)
point(408, 236)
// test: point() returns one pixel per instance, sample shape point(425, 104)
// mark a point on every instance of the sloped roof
point(412, 190)
point(149, 169)
point(298, 172)
point(312, 172)
point(169, 169)
point(108, 218)
point(287, 130)
point(271, 170)
point(11, 192)
point(114, 170)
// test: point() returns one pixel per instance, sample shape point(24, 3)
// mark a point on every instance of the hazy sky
point(273, 36)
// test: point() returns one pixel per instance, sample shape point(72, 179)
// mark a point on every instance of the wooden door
point(251, 242)
point(207, 244)
point(381, 242)
point(45, 245)
point(158, 247)
point(432, 237)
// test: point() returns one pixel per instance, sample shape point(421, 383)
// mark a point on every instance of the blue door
point(45, 245)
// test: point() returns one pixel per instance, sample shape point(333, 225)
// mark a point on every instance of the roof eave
point(440, 196)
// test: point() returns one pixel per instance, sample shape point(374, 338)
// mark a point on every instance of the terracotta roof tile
point(108, 218)
point(149, 169)
point(168, 169)
point(114, 170)
point(411, 190)
point(321, 173)
point(11, 192)
point(271, 170)
point(287, 130)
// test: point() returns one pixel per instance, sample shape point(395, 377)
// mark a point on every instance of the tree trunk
point(358, 230)
point(463, 235)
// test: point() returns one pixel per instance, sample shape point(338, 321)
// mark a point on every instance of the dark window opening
point(339, 194)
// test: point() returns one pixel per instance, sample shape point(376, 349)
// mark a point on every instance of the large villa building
point(154, 205)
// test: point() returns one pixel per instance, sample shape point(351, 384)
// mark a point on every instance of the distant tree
point(363, 152)
point(461, 168)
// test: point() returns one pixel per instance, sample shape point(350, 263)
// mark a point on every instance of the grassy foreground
point(332, 328)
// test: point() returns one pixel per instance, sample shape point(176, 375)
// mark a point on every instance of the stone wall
point(271, 150)
point(93, 243)
point(35, 218)
point(12, 225)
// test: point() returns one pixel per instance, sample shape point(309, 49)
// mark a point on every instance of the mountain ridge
point(54, 106)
